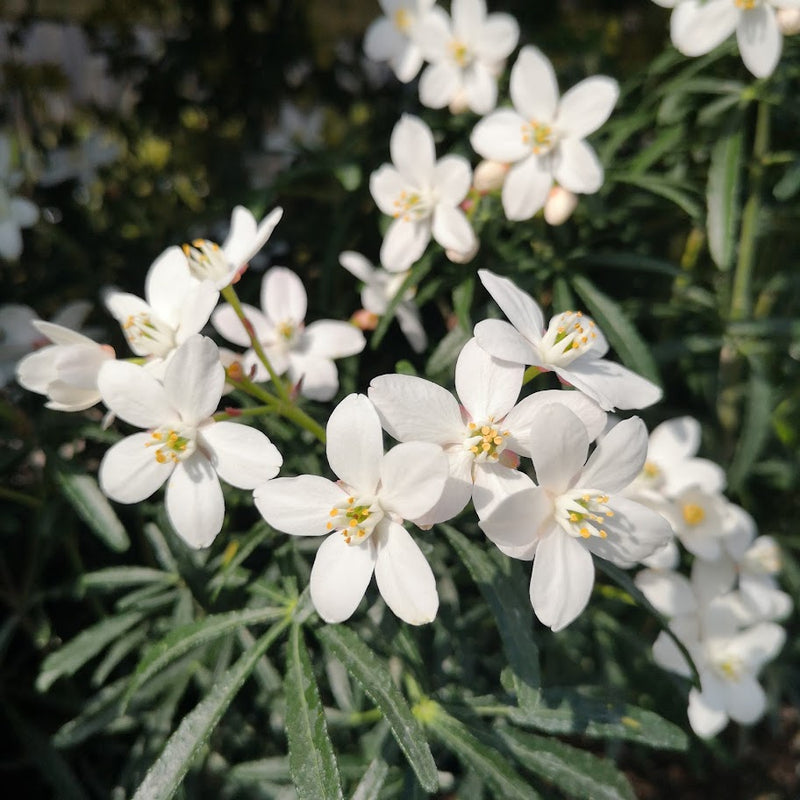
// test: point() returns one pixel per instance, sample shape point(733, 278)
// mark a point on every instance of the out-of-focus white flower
point(224, 265)
point(572, 346)
point(177, 306)
point(482, 433)
point(80, 161)
point(467, 54)
point(19, 335)
point(295, 128)
point(307, 352)
point(489, 175)
point(363, 513)
point(392, 37)
point(559, 205)
point(66, 370)
point(575, 510)
point(698, 26)
point(380, 288)
point(15, 212)
point(789, 21)
point(422, 194)
point(183, 444)
point(543, 137)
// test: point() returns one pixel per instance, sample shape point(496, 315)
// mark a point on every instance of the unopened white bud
point(459, 104)
point(489, 175)
point(462, 257)
point(559, 205)
point(789, 21)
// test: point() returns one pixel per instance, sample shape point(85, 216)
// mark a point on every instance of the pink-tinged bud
point(107, 348)
point(489, 176)
point(239, 272)
point(458, 257)
point(559, 205)
point(231, 411)
point(364, 320)
point(459, 104)
point(789, 21)
point(234, 371)
point(466, 204)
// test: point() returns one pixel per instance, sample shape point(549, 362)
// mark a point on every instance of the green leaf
point(756, 428)
point(87, 644)
point(587, 711)
point(722, 194)
point(415, 275)
point(122, 577)
point(462, 302)
point(96, 714)
point(182, 640)
point(619, 331)
point(446, 352)
point(369, 787)
point(504, 588)
point(575, 773)
point(487, 762)
point(165, 775)
point(373, 676)
point(312, 762)
point(662, 188)
point(93, 508)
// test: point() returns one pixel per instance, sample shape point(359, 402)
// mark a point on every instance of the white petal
point(410, 323)
point(134, 395)
point(667, 655)
point(707, 714)
point(36, 370)
point(525, 188)
point(129, 472)
point(674, 440)
point(493, 483)
point(283, 296)
point(452, 230)
point(407, 63)
point(340, 576)
point(577, 167)
point(558, 446)
point(522, 310)
point(167, 280)
point(413, 476)
point(697, 26)
point(245, 239)
point(229, 326)
point(194, 379)
point(414, 409)
point(745, 700)
point(452, 178)
point(404, 577)
point(480, 88)
point(385, 185)
point(516, 520)
point(534, 89)
point(486, 386)
point(194, 502)
point(383, 40)
point(760, 40)
point(317, 377)
point(499, 137)
point(404, 243)
point(299, 506)
point(700, 472)
point(439, 84)
point(562, 579)
point(10, 240)
point(670, 592)
point(457, 489)
point(712, 579)
point(432, 33)
point(23, 212)
point(328, 338)
point(759, 644)
point(72, 315)
point(499, 36)
point(619, 457)
point(241, 455)
point(503, 340)
point(412, 150)
point(357, 265)
point(355, 443)
point(610, 384)
point(199, 301)
point(586, 106)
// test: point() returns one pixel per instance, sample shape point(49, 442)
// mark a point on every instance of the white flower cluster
point(726, 613)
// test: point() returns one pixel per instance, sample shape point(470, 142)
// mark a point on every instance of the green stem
point(235, 413)
point(229, 293)
point(530, 374)
point(20, 497)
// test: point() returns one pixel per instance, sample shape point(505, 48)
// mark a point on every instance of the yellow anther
point(329, 526)
point(602, 534)
point(353, 523)
point(585, 533)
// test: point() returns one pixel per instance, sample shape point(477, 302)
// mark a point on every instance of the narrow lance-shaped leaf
point(369, 787)
point(165, 775)
point(722, 194)
point(312, 762)
point(756, 428)
point(373, 676)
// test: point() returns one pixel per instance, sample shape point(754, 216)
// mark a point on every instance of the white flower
point(66, 370)
point(483, 436)
point(572, 346)
point(575, 511)
point(392, 37)
point(307, 352)
point(363, 513)
point(15, 212)
point(698, 26)
point(544, 137)
point(466, 56)
point(183, 444)
point(176, 307)
point(380, 288)
point(223, 265)
point(559, 205)
point(422, 195)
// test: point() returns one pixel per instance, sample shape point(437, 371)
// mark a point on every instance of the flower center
point(582, 515)
point(147, 333)
point(411, 206)
point(171, 445)
point(485, 441)
point(356, 518)
point(693, 514)
point(568, 336)
point(460, 52)
point(206, 260)
point(286, 330)
point(729, 667)
point(539, 136)
point(402, 20)
point(746, 5)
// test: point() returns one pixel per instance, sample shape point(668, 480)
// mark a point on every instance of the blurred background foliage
point(140, 125)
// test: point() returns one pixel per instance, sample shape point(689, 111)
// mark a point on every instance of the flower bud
point(489, 176)
point(459, 104)
point(465, 257)
point(559, 205)
point(789, 21)
point(364, 320)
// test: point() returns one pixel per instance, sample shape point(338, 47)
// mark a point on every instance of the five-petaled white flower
point(422, 194)
point(466, 53)
point(483, 436)
point(575, 511)
point(183, 444)
point(223, 265)
point(392, 37)
point(307, 352)
point(544, 137)
point(363, 513)
point(698, 26)
point(572, 346)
